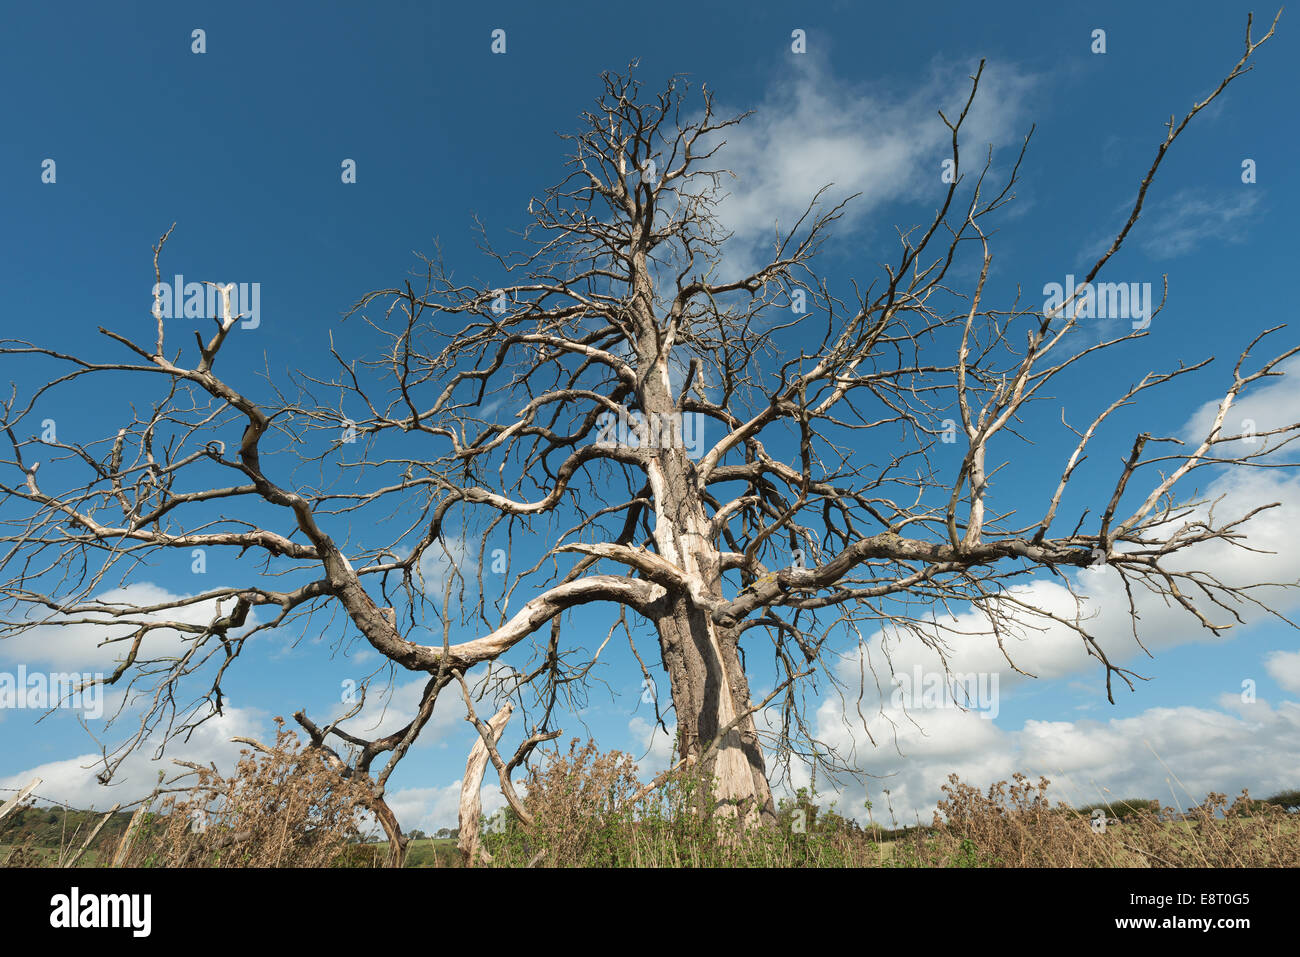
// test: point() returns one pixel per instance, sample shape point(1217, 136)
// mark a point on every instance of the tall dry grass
point(590, 811)
point(283, 807)
point(287, 807)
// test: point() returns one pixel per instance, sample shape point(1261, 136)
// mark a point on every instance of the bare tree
point(558, 406)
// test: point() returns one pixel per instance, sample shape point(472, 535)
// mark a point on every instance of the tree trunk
point(397, 841)
point(709, 686)
point(709, 690)
point(471, 807)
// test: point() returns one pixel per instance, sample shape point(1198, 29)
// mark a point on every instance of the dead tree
point(554, 405)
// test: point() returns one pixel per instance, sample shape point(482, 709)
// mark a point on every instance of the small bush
point(283, 807)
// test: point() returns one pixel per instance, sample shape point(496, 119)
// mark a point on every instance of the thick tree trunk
point(709, 688)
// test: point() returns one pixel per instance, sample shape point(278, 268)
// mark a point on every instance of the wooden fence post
point(124, 848)
point(93, 834)
point(22, 795)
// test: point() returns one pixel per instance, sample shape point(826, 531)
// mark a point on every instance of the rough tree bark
point(710, 691)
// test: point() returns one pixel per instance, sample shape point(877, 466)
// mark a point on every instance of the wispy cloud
point(813, 129)
point(1189, 218)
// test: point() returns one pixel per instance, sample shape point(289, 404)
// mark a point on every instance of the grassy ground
point(1053, 837)
point(590, 810)
point(428, 852)
point(1017, 839)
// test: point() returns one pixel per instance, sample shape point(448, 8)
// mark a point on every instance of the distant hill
point(56, 827)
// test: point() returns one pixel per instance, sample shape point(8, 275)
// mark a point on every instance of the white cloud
point(813, 130)
point(1177, 755)
point(72, 780)
point(388, 709)
point(449, 558)
point(429, 809)
point(654, 747)
point(1188, 218)
point(1284, 668)
point(81, 647)
point(1049, 649)
point(1265, 405)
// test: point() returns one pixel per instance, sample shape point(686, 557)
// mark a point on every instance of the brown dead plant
point(283, 807)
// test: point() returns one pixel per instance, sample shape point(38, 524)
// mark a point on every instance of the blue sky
point(241, 147)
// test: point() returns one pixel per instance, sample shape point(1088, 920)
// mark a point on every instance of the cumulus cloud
point(1188, 749)
point(1045, 647)
point(654, 747)
point(452, 558)
point(1266, 405)
point(387, 709)
point(97, 647)
point(1284, 668)
point(1175, 754)
point(72, 780)
point(430, 809)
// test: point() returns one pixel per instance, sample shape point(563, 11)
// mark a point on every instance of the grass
point(588, 812)
point(287, 808)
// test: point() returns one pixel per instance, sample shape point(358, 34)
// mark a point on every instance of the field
point(579, 822)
